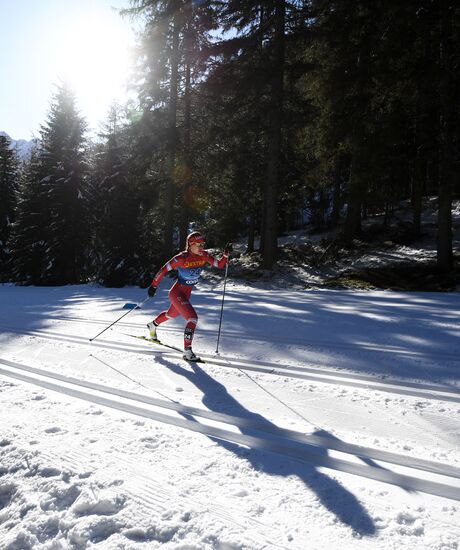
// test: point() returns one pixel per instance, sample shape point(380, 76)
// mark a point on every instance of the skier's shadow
point(338, 500)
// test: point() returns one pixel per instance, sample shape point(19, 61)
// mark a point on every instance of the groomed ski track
point(319, 375)
point(405, 472)
point(316, 343)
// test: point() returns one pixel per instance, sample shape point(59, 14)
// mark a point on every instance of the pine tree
point(114, 209)
point(9, 175)
point(173, 61)
point(30, 229)
point(361, 65)
point(275, 133)
point(158, 91)
point(64, 170)
point(231, 149)
point(258, 35)
point(448, 15)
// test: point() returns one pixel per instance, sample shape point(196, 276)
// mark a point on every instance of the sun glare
point(94, 59)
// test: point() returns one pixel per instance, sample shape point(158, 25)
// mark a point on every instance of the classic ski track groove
point(241, 423)
point(307, 373)
point(363, 346)
point(273, 442)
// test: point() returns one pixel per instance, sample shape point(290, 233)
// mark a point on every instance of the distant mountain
point(22, 146)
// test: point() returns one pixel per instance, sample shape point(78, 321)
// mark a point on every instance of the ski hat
point(195, 237)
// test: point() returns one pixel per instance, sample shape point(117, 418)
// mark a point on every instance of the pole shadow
point(330, 493)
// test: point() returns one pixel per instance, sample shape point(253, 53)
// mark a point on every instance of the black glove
point(151, 291)
point(228, 249)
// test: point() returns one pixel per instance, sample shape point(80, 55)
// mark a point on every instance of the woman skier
point(189, 265)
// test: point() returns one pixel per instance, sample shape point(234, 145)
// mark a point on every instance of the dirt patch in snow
point(406, 276)
point(385, 256)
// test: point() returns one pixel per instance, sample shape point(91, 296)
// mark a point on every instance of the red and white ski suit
point(189, 267)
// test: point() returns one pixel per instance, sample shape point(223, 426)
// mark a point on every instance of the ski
point(160, 343)
point(155, 341)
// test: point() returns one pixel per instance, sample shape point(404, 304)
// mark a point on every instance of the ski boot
point(152, 327)
point(190, 356)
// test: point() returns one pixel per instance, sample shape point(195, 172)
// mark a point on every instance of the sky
point(85, 42)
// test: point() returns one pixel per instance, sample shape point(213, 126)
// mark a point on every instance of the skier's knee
point(171, 314)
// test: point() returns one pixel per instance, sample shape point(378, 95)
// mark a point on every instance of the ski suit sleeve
point(215, 262)
point(169, 266)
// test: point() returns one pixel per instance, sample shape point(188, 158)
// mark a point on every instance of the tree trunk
point(353, 221)
point(187, 168)
point(446, 103)
point(172, 145)
point(262, 232)
point(419, 171)
point(386, 219)
point(270, 241)
point(251, 233)
point(417, 186)
point(423, 131)
point(336, 198)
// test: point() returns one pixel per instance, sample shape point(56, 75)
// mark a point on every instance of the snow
point(315, 257)
point(329, 419)
point(22, 146)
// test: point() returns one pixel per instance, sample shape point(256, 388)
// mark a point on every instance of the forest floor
point(383, 257)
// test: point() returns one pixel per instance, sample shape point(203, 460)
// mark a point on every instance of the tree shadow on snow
point(403, 335)
point(331, 494)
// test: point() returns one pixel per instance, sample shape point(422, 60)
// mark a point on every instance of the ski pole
point(222, 307)
point(124, 315)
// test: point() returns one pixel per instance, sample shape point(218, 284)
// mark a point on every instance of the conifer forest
point(248, 119)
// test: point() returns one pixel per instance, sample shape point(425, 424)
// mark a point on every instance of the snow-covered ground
point(330, 419)
point(309, 259)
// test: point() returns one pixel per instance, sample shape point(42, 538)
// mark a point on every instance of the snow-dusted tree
point(8, 183)
point(64, 169)
point(114, 209)
point(50, 234)
point(29, 233)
